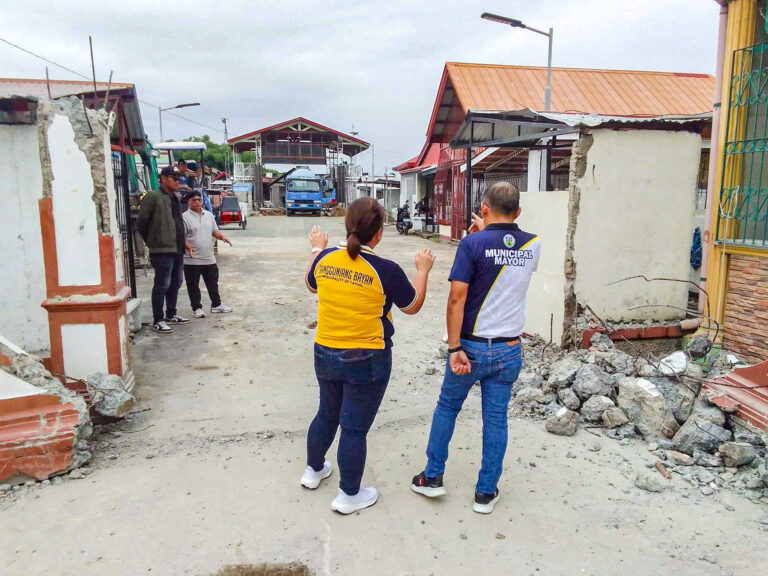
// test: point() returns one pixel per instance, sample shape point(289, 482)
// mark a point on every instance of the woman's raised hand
point(318, 238)
point(424, 260)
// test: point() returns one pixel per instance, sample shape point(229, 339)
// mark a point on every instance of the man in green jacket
point(162, 228)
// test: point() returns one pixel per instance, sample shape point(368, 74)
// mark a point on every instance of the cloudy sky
point(372, 64)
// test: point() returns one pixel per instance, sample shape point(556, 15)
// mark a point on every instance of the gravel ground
point(207, 475)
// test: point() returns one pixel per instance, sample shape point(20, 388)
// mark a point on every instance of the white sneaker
point(162, 327)
point(311, 479)
point(198, 313)
point(346, 504)
point(220, 309)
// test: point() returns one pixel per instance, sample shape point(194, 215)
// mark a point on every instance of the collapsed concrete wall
point(632, 210)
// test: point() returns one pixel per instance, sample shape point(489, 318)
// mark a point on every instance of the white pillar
point(535, 180)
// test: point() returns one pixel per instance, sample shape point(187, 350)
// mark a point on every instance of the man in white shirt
point(200, 229)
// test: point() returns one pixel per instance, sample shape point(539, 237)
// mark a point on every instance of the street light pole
point(226, 147)
point(160, 111)
point(514, 23)
point(519, 24)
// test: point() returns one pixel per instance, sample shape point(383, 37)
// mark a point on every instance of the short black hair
point(502, 198)
point(194, 194)
point(182, 161)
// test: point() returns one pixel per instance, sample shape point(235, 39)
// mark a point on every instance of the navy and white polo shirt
point(497, 263)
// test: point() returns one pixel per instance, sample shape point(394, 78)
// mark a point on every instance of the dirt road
point(209, 476)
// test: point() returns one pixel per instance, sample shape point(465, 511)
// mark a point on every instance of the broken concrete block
point(704, 410)
point(614, 417)
point(699, 346)
point(109, 396)
point(650, 482)
point(646, 408)
point(529, 396)
point(569, 399)
point(700, 434)
point(737, 453)
point(562, 373)
point(527, 379)
point(592, 410)
point(680, 393)
point(675, 363)
point(591, 380)
point(679, 458)
point(601, 341)
point(564, 422)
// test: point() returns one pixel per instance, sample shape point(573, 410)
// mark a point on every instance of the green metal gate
point(743, 210)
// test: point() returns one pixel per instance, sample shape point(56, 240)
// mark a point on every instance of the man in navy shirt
point(486, 314)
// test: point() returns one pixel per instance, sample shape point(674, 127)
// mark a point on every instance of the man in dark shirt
point(162, 228)
point(485, 317)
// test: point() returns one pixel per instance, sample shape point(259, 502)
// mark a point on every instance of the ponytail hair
point(365, 217)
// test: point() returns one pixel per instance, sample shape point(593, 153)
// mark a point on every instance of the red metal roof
point(606, 92)
point(293, 121)
point(429, 156)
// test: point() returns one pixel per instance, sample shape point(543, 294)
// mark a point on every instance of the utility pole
point(226, 147)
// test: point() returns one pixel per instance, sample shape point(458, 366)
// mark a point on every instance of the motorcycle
point(404, 223)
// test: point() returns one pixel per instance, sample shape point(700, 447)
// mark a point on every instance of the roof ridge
point(602, 70)
point(43, 81)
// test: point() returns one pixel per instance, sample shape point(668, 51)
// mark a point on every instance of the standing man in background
point(200, 229)
point(161, 227)
point(485, 316)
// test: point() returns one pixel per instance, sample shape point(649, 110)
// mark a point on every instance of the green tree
point(214, 155)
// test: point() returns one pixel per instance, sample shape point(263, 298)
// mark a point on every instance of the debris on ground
point(689, 429)
point(109, 396)
point(265, 569)
point(50, 426)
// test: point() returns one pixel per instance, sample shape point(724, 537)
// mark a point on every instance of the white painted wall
point(546, 214)
point(77, 243)
point(636, 217)
point(85, 349)
point(14, 387)
point(22, 272)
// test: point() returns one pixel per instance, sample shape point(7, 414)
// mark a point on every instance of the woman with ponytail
point(353, 344)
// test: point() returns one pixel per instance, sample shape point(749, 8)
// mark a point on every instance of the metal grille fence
point(743, 210)
point(123, 209)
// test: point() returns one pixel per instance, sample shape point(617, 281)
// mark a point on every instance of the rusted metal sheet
point(748, 387)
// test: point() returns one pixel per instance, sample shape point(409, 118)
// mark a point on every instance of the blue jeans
point(169, 275)
point(352, 385)
point(497, 367)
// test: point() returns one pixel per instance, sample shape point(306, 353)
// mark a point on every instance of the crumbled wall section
point(746, 308)
point(90, 135)
point(578, 170)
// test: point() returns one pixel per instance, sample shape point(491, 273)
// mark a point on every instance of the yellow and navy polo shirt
point(356, 297)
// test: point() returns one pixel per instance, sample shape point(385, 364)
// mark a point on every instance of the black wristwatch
point(458, 348)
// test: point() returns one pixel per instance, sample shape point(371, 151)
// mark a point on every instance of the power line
point(88, 78)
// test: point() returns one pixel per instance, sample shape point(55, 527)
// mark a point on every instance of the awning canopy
point(192, 145)
point(523, 127)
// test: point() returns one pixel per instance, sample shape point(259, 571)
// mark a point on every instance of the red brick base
point(745, 330)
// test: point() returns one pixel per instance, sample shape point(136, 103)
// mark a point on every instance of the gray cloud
point(374, 64)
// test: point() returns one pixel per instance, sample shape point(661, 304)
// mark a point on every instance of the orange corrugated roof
point(606, 92)
point(39, 87)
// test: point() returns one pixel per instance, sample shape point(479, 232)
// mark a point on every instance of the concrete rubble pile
point(662, 403)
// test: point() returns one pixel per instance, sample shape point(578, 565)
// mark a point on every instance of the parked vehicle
point(404, 223)
point(329, 196)
point(230, 212)
point(303, 192)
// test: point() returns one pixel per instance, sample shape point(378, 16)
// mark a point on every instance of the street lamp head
point(502, 20)
point(187, 105)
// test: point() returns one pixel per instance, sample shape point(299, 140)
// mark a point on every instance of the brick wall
point(746, 308)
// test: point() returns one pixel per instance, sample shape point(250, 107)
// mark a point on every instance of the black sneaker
point(176, 319)
point(484, 503)
point(429, 487)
